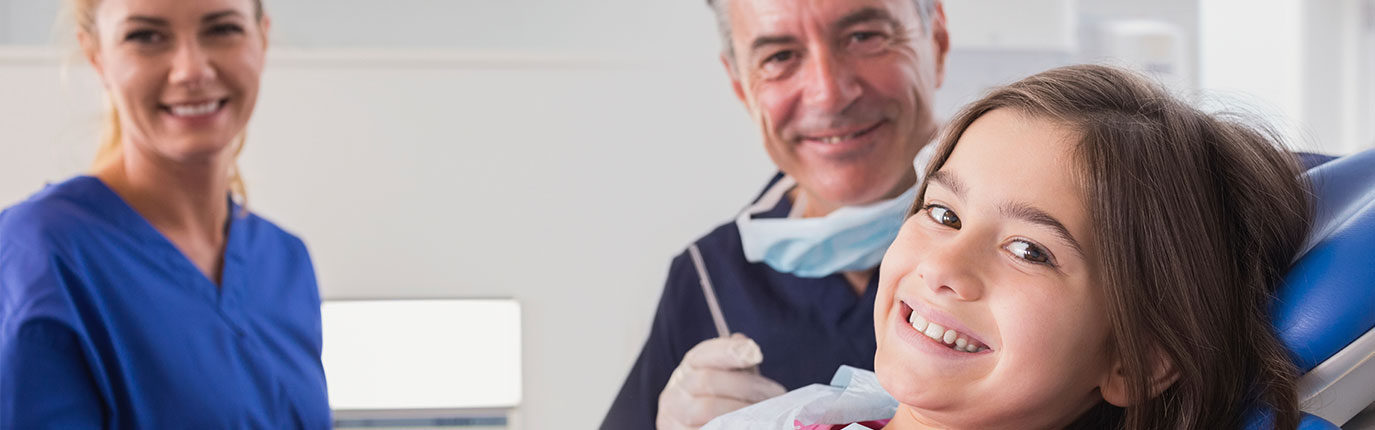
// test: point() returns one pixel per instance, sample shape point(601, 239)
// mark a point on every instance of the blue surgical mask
point(850, 238)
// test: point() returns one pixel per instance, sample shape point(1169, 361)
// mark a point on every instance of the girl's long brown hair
point(1196, 218)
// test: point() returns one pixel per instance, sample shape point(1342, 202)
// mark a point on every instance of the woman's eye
point(1029, 252)
point(225, 29)
point(943, 216)
point(143, 37)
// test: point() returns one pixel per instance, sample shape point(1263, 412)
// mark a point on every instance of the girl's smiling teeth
point(951, 338)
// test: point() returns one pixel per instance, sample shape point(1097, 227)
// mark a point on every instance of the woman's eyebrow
point(209, 17)
point(149, 20)
point(1034, 215)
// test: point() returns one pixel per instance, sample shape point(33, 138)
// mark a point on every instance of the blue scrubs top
point(104, 323)
point(807, 328)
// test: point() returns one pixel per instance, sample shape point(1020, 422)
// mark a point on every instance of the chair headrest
point(1327, 297)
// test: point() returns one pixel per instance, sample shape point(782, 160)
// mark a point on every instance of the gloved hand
point(716, 376)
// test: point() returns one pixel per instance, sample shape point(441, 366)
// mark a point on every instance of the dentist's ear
point(1160, 374)
point(734, 79)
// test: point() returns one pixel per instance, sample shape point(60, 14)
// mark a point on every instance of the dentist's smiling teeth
point(832, 140)
point(836, 139)
point(951, 338)
point(199, 109)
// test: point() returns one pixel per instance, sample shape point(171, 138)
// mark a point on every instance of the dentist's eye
point(868, 42)
point(778, 64)
point(780, 57)
point(943, 216)
point(1030, 252)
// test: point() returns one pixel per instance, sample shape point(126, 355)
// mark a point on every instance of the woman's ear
point(1162, 374)
point(265, 27)
point(90, 49)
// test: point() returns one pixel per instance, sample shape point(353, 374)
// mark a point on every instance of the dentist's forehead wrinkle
point(864, 15)
point(1034, 215)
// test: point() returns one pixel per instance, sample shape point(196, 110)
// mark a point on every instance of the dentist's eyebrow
point(1028, 213)
point(868, 14)
point(950, 182)
point(767, 40)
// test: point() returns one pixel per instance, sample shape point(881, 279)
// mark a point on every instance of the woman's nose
point(191, 67)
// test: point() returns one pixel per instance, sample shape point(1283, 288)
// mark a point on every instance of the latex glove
point(716, 376)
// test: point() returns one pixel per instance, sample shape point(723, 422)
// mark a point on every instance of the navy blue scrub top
point(807, 328)
point(104, 323)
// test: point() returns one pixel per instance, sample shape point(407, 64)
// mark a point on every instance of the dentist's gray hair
point(925, 9)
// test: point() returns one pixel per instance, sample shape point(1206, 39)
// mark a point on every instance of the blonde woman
point(142, 295)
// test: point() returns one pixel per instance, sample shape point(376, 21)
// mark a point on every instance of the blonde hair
point(82, 13)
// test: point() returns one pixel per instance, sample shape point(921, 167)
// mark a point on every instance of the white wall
point(564, 183)
point(565, 176)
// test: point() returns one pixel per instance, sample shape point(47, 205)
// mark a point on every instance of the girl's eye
point(943, 216)
point(1029, 251)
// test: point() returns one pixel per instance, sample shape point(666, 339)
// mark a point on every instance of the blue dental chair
point(1325, 312)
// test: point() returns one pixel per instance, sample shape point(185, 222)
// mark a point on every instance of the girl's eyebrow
point(1015, 210)
point(1034, 215)
point(948, 180)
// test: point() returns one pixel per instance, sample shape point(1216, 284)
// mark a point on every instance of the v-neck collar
point(128, 219)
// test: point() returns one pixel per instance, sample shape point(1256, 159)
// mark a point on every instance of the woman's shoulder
point(259, 239)
point(263, 229)
point(54, 214)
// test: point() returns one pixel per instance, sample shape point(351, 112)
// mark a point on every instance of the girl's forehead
point(1005, 147)
point(1006, 159)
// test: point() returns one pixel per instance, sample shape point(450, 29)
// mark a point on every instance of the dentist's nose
point(831, 84)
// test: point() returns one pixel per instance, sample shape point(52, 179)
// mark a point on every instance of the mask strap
point(799, 205)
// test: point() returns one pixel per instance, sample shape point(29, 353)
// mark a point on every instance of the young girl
point(1086, 252)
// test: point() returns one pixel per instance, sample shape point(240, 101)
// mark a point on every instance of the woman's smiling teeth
point(949, 337)
point(197, 109)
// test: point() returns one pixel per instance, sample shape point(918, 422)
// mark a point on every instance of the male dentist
point(841, 90)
